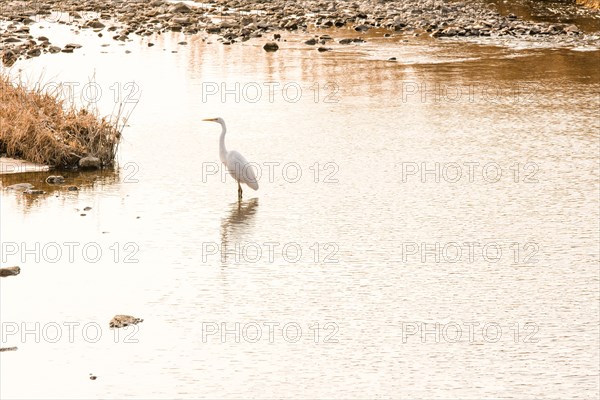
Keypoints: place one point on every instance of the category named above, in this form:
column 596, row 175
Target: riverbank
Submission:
column 241, row 20
column 38, row 127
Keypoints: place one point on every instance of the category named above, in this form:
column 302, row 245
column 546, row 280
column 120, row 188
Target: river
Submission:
column 424, row 228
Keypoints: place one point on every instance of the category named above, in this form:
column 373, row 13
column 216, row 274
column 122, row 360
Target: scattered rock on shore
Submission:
column 448, row 19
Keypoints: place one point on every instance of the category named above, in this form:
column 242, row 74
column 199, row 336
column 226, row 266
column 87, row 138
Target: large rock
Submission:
column 90, row 162
column 121, row 321
column 9, row 271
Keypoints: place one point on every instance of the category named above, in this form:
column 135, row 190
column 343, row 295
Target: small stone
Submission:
column 121, row 321
column 33, row 191
column 182, row 43
column 323, row 49
column 95, row 24
column 72, row 188
column 8, row 349
column 34, row 52
column 87, row 208
column 392, row 59
column 311, row 42
column 53, row 179
column 9, row 271
column 9, row 58
column 271, row 47
column 150, row 44
column 20, row 186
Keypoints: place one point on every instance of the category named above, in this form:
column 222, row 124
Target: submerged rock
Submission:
column 52, row 179
column 20, row 186
column 33, row 191
column 9, row 271
column 121, row 321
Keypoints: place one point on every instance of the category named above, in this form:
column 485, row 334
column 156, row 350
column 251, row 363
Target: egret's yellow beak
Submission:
column 210, row 119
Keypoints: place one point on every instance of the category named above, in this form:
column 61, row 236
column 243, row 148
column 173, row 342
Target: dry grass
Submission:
column 590, row 3
column 38, row 126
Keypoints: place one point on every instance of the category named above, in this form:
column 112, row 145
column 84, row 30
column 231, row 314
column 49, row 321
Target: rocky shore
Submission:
column 241, row 20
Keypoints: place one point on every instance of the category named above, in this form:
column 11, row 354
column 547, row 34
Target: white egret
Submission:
column 236, row 164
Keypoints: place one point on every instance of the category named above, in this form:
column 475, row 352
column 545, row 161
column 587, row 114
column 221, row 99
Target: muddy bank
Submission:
column 241, row 20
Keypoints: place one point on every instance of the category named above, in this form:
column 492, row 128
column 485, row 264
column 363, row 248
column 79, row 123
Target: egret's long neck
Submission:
column 222, row 149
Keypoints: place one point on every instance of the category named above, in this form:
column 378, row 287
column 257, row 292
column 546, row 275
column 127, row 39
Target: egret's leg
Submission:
column 239, row 191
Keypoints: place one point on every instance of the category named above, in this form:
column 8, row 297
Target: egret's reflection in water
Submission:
column 235, row 229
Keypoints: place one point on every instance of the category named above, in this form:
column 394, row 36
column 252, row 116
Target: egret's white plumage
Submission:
column 235, row 163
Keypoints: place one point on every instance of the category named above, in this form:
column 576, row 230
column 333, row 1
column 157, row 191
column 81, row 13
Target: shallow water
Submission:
column 360, row 160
